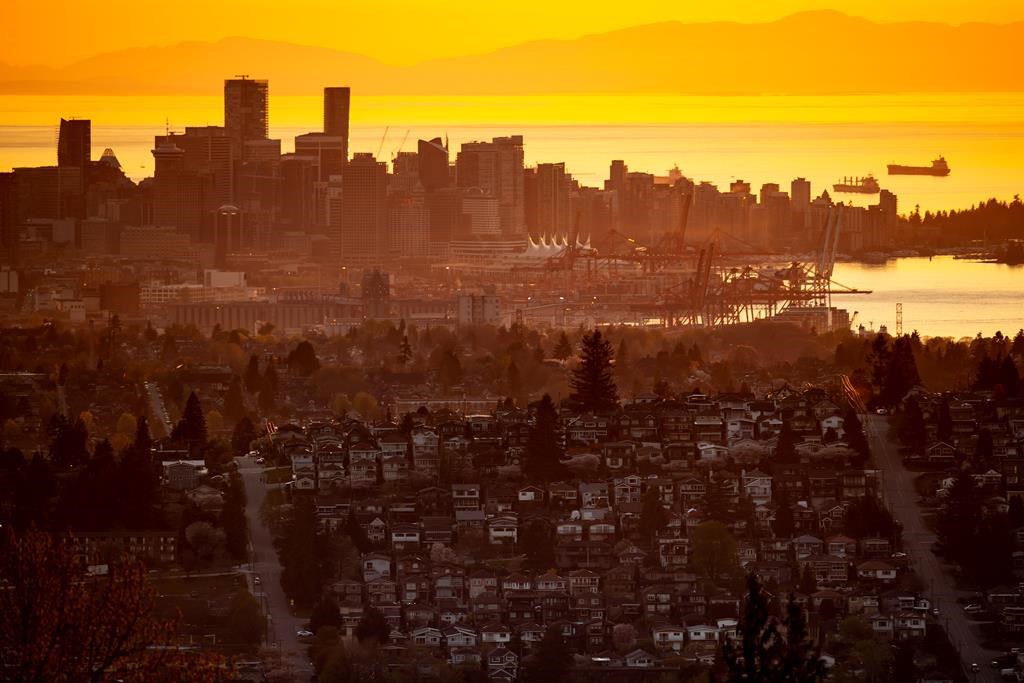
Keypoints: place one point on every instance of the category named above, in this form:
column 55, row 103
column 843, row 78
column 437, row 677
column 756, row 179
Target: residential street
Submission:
column 282, row 626
column 901, row 497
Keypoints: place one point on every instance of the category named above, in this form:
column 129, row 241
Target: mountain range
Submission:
column 811, row 53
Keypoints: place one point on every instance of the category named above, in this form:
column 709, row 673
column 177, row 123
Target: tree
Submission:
column 204, row 539
column 127, row 424
column 268, row 389
column 404, row 351
column 714, row 550
column 960, row 519
column 59, row 624
column 303, row 359
column 563, row 349
column 808, row 581
column 785, row 446
column 551, row 661
column 325, row 613
column 191, row 427
column 243, row 435
column 300, row 554
column 855, row 438
column 945, row 421
column 867, row 517
column 593, row 388
column 68, row 448
column 783, row 525
column 537, row 544
column 653, row 517
column 253, row 378
column 233, row 520
column 245, row 620
column 234, row 401
column 214, row 422
column 373, row 628
column 771, row 650
column 542, row 460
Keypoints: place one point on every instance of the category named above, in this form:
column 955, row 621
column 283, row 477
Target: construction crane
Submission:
column 382, row 139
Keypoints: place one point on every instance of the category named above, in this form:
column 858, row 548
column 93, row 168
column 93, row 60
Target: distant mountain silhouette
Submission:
column 821, row 52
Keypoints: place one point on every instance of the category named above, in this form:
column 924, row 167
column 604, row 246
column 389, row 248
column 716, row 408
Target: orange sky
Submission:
column 404, row 31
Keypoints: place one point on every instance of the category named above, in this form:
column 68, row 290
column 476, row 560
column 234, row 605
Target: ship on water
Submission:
column 939, row 167
column 865, row 185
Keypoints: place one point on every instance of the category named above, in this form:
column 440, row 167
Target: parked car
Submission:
column 973, row 608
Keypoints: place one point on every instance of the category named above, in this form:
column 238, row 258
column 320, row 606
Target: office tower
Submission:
column 245, row 112
column 327, row 151
column 74, row 144
column 336, row 108
column 800, row 193
column 169, row 167
column 482, row 215
column 552, row 201
column 496, row 167
column 740, row 187
column 299, row 206
column 444, row 206
column 48, row 192
column 9, row 216
column 227, row 233
column 616, row 175
column 207, row 151
column 408, row 224
column 432, row 157
column 358, row 230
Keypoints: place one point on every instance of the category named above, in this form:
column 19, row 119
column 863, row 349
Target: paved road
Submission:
column 282, row 625
column 901, row 496
column 159, row 410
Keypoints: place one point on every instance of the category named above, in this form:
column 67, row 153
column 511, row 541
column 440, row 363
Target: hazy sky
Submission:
column 57, row 32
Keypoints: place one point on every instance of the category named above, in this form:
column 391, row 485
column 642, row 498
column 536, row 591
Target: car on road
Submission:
column 257, row 581
column 881, row 411
column 260, row 461
column 935, row 612
column 304, row 633
column 973, row 608
column 1003, row 661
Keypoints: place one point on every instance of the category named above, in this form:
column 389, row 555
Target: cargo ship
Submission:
column 939, row 167
column 865, row 185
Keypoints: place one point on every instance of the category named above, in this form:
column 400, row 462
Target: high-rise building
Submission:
column 336, row 110
column 328, row 151
column 207, row 151
column 552, row 201
column 800, row 193
column 246, row 108
column 227, row 233
column 496, row 167
column 74, row 144
column 359, row 229
column 169, row 167
column 432, row 157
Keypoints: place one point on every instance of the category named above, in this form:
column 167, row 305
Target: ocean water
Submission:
column 719, row 139
column 941, row 296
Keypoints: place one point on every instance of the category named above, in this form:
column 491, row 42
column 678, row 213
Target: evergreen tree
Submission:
column 714, row 550
column 808, row 581
column 538, row 546
column 233, row 520
column 960, row 519
column 912, row 428
column 1009, row 377
column 653, row 516
column 303, row 360
column 302, row 574
column 192, row 426
column 373, row 628
column 143, row 441
column 243, row 435
column 593, row 388
column 268, row 390
column 253, row 378
column 551, row 661
column 542, row 460
column 404, row 351
column 234, row 401
column 785, row 447
column 563, row 349
column 945, row 421
column 762, row 652
column 855, row 439
column 783, row 525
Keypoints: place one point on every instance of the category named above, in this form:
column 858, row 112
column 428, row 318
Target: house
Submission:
column 639, row 659
column 503, row 662
column 503, row 530
column 495, row 634
column 757, row 486
column 465, row 497
column 427, row 636
column 460, row 636
column 876, row 570
column 910, row 625
column 668, row 637
column 702, row 632
column 375, row 566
